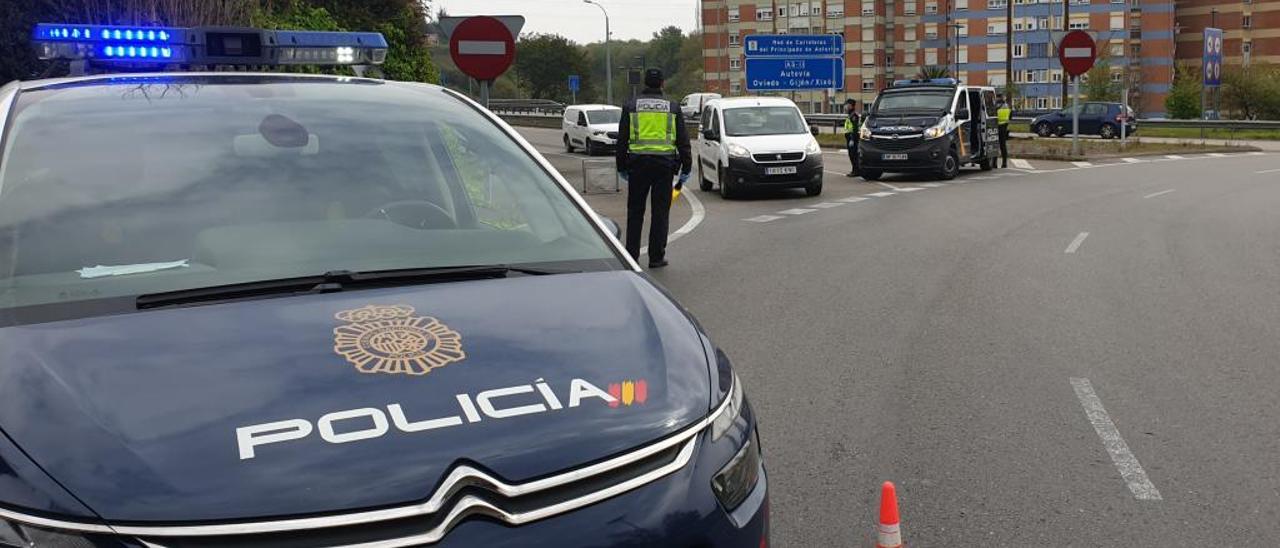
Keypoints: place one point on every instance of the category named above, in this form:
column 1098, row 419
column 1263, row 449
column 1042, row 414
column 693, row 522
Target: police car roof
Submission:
column 240, row 77
column 739, row 102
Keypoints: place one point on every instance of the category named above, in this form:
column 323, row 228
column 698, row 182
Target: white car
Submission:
column 593, row 128
column 757, row 142
column 693, row 103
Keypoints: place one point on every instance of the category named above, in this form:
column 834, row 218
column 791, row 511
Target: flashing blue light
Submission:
column 166, row 53
column 116, row 34
column 163, row 35
column 155, row 52
column 109, row 51
column 106, row 34
column 128, row 34
column 133, row 52
column 75, row 33
column 151, row 35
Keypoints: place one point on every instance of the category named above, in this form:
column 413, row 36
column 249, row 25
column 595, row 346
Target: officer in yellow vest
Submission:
column 653, row 145
column 1003, row 113
column 852, row 123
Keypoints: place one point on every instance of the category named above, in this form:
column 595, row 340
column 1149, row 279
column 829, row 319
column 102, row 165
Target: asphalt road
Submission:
column 1057, row 355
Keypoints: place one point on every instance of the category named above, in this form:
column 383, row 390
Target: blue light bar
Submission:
column 215, row 46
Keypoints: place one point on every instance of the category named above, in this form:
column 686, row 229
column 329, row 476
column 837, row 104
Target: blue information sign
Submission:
column 574, row 82
column 1212, row 62
column 793, row 45
column 795, row 73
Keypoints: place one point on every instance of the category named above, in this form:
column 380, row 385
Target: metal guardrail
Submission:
column 545, row 107
column 832, row 120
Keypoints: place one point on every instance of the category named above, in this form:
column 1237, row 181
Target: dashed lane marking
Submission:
column 1161, row 193
column 1132, row 160
column 1267, row 171
column 763, row 218
column 881, row 194
column 1075, row 244
column 796, row 211
column 1126, row 463
column 837, row 173
column 1082, row 164
column 853, row 199
column 827, row 205
column 909, row 189
column 1217, row 154
column 934, row 185
column 1175, row 157
column 1257, row 153
column 887, row 185
column 1020, row 163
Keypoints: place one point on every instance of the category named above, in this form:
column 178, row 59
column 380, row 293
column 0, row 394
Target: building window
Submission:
column 735, row 87
column 1135, row 22
column 1042, row 22
column 993, row 4
column 734, row 16
column 764, row 14
column 868, row 59
column 1079, row 2
column 1246, row 47
column 1019, row 51
column 909, row 33
column 735, row 64
column 1117, row 76
column 868, row 34
column 734, row 40
column 1042, row 102
column 1117, row 1
column 782, row 11
column 835, row 11
column 868, row 8
column 1117, row 50
column 782, row 31
column 1055, row 76
column 996, row 26
column 996, row 53
column 868, row 85
column 962, row 28
column 1038, row 51
column 802, row 9
column 1246, row 22
column 931, row 8
column 839, row 33
column 909, row 9
column 962, row 56
column 961, row 4
column 995, row 79
column 1079, row 25
column 1117, row 21
column 931, row 56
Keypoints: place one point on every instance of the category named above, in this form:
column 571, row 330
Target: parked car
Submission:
column 757, row 142
column 593, row 128
column 693, row 103
column 1102, row 119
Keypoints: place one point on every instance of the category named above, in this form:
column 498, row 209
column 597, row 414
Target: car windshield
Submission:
column 608, row 116
column 744, row 121
column 142, row 185
column 926, row 100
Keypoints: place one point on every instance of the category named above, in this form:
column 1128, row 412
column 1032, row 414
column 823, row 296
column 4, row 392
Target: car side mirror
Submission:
column 582, row 123
column 709, row 134
column 813, row 130
column 612, row 226
column 962, row 114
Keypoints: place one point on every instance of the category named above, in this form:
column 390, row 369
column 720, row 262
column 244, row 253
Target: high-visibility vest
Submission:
column 851, row 126
column 1003, row 114
column 653, row 128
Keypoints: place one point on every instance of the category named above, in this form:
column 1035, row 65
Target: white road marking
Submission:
column 1175, row 157
column 1082, row 164
column 981, row 177
column 695, row 219
column 1257, row 153
column 1217, row 154
column 827, row 205
column 763, row 218
column 1020, row 163
column 909, row 189
column 934, row 185
column 1132, row 160
column 853, row 199
column 834, row 172
column 887, row 185
column 1161, row 193
column 881, row 194
column 1267, row 171
column 1125, row 462
column 1075, row 244
column 796, row 211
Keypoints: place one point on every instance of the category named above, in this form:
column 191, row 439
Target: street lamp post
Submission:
column 608, row 61
column 955, row 55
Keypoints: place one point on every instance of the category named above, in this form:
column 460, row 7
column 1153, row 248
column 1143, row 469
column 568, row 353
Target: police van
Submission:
column 929, row 126
column 267, row 309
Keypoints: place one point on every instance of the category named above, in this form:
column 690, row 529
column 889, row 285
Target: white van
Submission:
column 757, row 142
column 693, row 103
column 593, row 128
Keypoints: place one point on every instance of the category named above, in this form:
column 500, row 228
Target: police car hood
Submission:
column 138, row 414
column 902, row 123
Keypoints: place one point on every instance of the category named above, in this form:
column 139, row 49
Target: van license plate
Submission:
column 785, row 170
column 893, row 156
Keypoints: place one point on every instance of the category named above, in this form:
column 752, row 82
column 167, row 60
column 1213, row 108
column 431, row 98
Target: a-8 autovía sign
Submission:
column 788, row 62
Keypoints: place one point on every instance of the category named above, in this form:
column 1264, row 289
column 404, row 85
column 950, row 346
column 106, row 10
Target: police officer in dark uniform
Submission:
column 852, row 123
column 1003, row 113
column 653, row 145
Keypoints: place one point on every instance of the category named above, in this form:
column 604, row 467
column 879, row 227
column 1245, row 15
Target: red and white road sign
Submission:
column 482, row 47
column 1077, row 52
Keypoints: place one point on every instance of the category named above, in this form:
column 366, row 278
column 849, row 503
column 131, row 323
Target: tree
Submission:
column 1252, row 93
column 1183, row 101
column 929, row 72
column 664, row 51
column 544, row 63
column 1097, row 82
column 689, row 77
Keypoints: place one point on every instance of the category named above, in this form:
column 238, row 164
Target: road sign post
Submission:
column 793, row 62
column 574, row 82
column 483, row 47
column 1076, row 52
column 1211, row 70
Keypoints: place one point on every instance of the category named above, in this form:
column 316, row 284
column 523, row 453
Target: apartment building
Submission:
column 1251, row 31
column 887, row 40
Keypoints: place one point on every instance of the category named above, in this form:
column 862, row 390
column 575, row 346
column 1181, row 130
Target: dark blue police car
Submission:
column 261, row 309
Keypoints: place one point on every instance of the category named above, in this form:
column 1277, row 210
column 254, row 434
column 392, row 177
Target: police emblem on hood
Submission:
column 391, row 339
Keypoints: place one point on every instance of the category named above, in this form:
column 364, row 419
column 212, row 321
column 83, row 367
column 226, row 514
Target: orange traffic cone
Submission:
column 889, row 531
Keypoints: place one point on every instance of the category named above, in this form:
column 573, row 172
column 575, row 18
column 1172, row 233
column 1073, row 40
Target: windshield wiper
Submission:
column 335, row 281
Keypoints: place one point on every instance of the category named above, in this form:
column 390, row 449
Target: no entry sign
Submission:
column 1077, row 52
column 482, row 47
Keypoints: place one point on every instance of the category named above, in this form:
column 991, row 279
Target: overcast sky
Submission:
column 583, row 23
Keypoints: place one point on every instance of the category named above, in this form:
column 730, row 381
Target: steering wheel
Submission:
column 419, row 214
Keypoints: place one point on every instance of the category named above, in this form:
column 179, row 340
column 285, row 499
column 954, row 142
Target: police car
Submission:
column 931, row 126
column 267, row 309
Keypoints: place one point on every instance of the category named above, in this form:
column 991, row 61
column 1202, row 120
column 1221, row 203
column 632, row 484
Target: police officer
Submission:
column 852, row 123
column 1003, row 113
column 653, row 144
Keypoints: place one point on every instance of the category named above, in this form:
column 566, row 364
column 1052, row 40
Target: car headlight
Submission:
column 738, row 478
column 739, row 151
column 721, row 424
column 17, row 535
column 935, row 132
column 813, row 147
column 864, row 133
